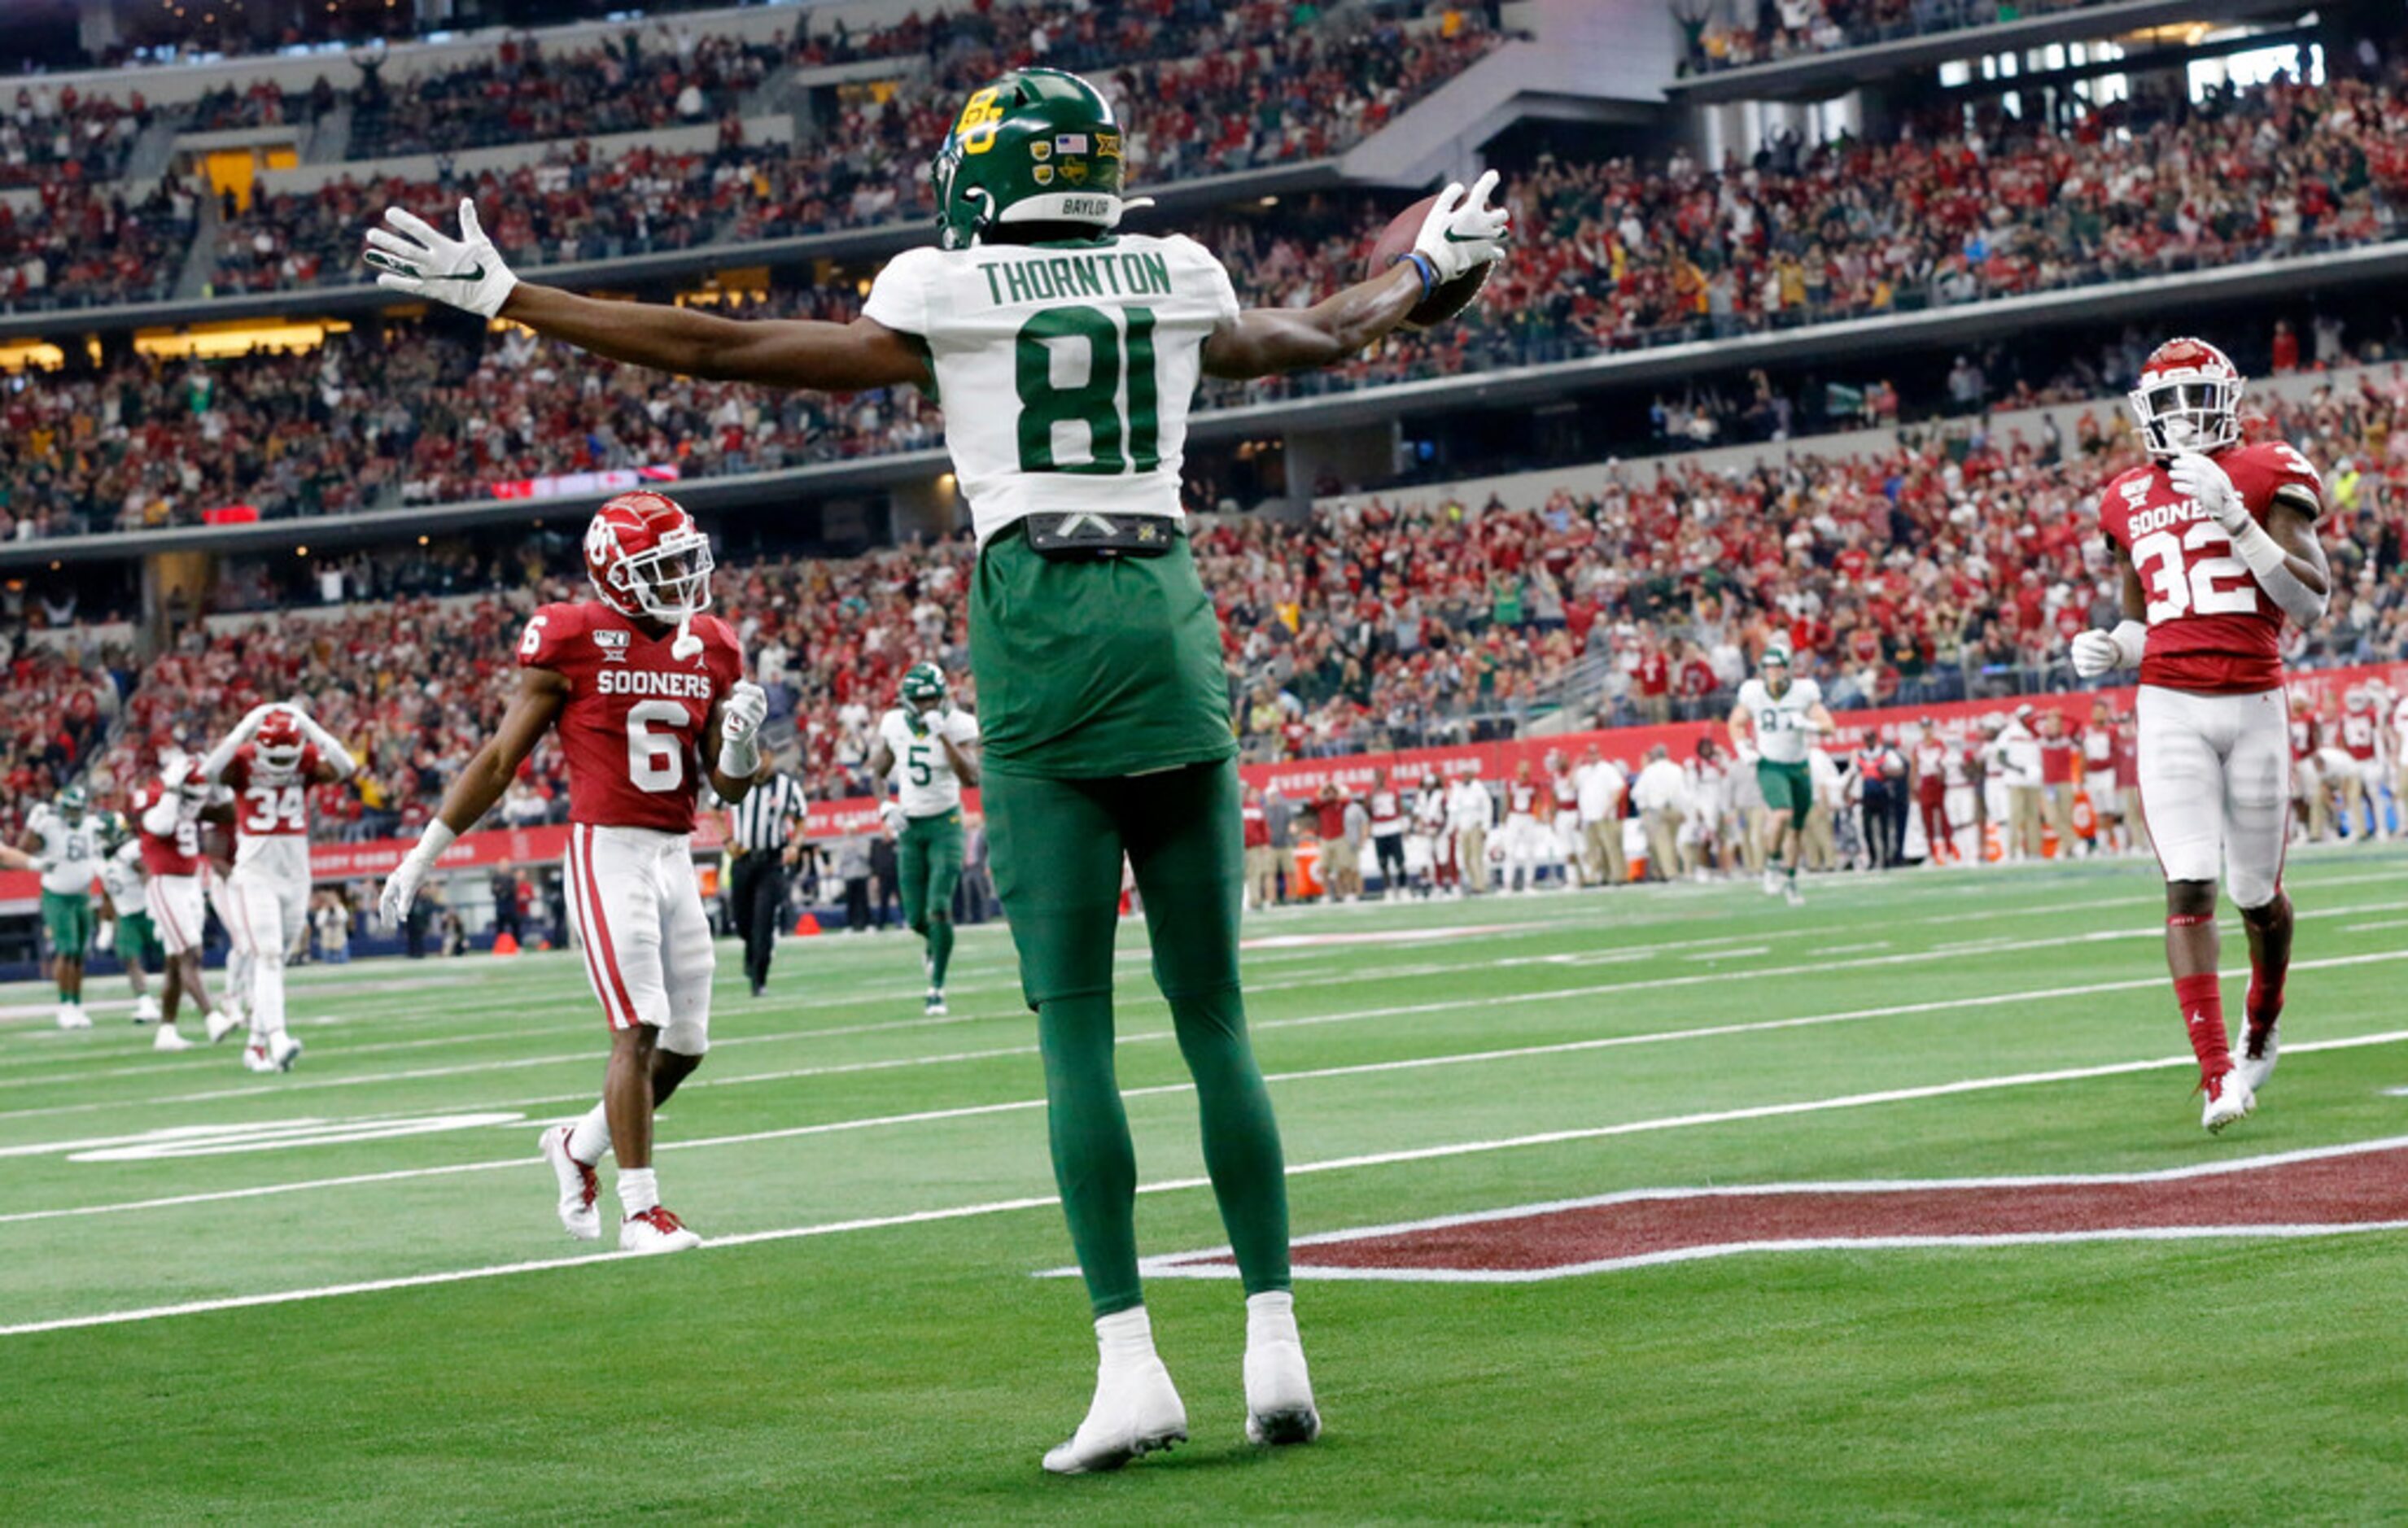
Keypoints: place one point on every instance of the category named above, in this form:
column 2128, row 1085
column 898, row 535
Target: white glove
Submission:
column 1462, row 232
column 466, row 272
column 401, row 886
column 2200, row 480
column 2103, row 652
column 739, row 726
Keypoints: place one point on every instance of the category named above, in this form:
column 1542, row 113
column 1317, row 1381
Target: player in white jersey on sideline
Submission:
column 270, row 760
column 1772, row 724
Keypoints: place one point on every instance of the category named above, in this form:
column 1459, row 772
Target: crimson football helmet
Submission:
column 647, row 558
column 2189, row 399
column 278, row 742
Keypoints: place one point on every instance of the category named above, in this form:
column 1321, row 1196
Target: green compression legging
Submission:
column 1057, row 847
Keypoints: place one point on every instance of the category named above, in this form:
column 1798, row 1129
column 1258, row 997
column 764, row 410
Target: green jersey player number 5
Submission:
column 1066, row 351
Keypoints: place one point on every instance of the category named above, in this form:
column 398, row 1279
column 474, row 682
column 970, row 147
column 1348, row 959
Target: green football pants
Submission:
column 1058, row 844
column 929, row 859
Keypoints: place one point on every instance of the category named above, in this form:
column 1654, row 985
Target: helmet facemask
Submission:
column 2187, row 414
column 670, row 582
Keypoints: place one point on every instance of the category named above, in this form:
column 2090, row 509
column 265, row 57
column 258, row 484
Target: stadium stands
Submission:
column 1950, row 565
column 1794, row 27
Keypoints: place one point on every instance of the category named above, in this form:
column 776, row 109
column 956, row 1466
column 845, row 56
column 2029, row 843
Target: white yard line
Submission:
column 1161, row 1090
column 1000, row 1207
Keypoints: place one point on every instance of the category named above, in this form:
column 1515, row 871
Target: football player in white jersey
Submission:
column 1771, row 724
column 125, row 890
column 1072, row 352
column 62, row 840
column 270, row 760
column 928, row 747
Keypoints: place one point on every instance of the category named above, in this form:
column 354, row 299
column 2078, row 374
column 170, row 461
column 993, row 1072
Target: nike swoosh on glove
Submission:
column 417, row 258
column 1462, row 232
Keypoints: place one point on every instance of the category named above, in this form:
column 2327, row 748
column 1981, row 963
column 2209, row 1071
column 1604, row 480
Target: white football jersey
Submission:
column 1781, row 721
column 70, row 852
column 121, row 876
column 1067, row 370
column 929, row 786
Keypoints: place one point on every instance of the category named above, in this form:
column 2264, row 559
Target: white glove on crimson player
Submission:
column 422, row 260
column 2201, row 480
column 401, row 886
column 740, row 727
column 1462, row 232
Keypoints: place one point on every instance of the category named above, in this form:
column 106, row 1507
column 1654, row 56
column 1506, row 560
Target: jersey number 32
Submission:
column 2193, row 573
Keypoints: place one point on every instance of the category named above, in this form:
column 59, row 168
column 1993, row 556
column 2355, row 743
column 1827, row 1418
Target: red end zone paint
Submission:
column 2359, row 1187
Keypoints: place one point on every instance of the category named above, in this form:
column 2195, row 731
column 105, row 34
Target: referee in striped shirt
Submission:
column 765, row 836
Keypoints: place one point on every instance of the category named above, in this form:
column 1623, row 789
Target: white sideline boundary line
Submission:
column 966, row 1111
column 1001, row 1207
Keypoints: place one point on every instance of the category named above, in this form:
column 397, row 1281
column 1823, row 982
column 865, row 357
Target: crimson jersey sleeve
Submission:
column 554, row 638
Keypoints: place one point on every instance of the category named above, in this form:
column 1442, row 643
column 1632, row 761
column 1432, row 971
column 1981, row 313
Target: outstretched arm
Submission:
column 1265, row 340
column 541, row 694
column 1460, row 233
column 468, row 272
column 775, row 352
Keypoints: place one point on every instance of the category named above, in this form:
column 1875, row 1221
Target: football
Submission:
column 1450, row 297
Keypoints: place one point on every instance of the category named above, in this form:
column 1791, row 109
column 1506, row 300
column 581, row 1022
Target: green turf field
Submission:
column 867, row 1339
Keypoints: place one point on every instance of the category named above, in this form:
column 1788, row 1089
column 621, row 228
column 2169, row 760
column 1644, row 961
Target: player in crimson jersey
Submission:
column 643, row 687
column 2221, row 544
column 270, row 760
column 2361, row 738
column 168, row 813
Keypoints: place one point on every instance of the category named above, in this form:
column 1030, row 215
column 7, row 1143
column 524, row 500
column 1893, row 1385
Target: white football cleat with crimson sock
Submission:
column 1136, row 1410
column 2228, row 1098
column 167, row 1039
column 579, row 1186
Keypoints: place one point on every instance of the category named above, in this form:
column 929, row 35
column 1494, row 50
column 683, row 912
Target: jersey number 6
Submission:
column 656, row 760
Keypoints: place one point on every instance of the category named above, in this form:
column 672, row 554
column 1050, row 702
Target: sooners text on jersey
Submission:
column 2210, row 627
column 633, row 726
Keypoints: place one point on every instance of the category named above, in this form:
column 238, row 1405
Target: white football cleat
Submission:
column 1795, row 898
column 167, row 1039
column 2256, row 1063
column 282, row 1051
column 656, row 1231
column 1771, row 882
column 934, row 1008
column 1279, row 1395
column 222, row 1023
column 1136, row 1411
column 255, row 1059
column 579, row 1186
column 71, row 1016
column 2227, row 1100
column 146, row 1009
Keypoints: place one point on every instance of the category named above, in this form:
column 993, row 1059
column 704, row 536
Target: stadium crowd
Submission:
column 1764, row 31
column 1954, row 567
column 1266, row 95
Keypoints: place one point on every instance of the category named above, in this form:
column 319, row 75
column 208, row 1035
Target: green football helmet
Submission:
column 1034, row 146
column 73, row 801
column 922, row 682
column 114, row 831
